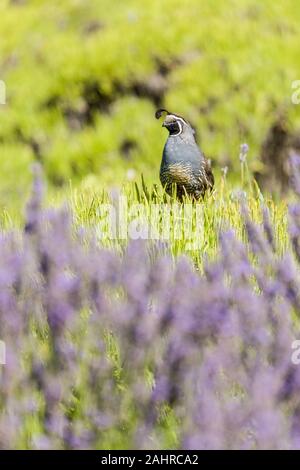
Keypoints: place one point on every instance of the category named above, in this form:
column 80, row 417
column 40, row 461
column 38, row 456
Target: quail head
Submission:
column 183, row 164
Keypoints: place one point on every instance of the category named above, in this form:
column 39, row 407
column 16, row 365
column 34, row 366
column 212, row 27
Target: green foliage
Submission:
column 219, row 211
column 82, row 80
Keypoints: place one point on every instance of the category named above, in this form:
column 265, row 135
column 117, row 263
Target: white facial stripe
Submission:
column 177, row 118
column 180, row 122
column 180, row 128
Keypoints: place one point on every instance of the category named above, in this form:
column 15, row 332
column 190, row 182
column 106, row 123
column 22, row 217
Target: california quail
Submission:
column 183, row 164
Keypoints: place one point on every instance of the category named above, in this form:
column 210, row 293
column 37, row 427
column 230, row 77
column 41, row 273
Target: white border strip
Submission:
column 2, row 92
column 2, row 353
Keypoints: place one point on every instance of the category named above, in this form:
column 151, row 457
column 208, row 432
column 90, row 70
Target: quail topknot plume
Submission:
column 183, row 164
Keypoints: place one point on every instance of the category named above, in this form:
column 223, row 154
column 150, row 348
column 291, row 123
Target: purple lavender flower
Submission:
column 244, row 149
column 138, row 349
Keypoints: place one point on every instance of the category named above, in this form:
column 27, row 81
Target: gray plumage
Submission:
column 183, row 164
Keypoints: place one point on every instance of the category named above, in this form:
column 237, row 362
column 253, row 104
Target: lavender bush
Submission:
column 106, row 350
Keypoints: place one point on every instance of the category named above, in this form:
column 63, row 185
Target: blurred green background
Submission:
column 84, row 77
